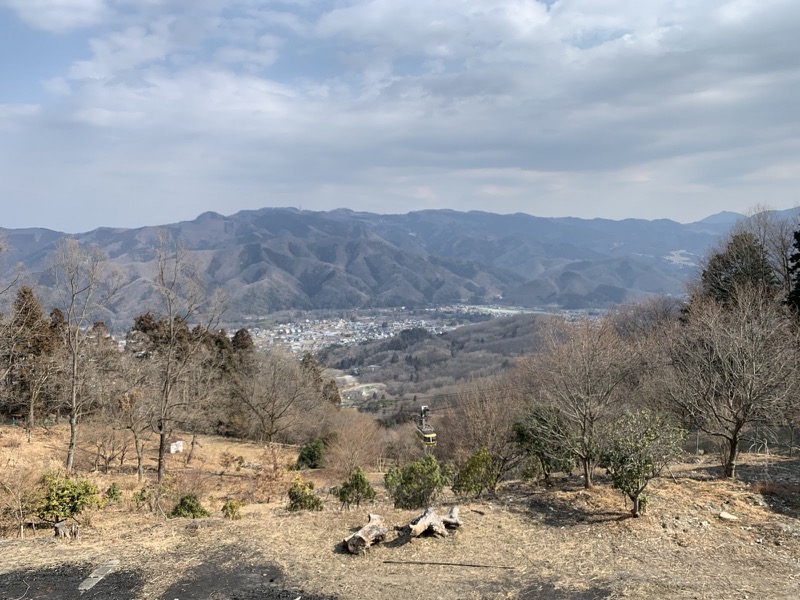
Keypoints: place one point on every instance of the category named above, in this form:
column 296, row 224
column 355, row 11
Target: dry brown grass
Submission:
column 559, row 542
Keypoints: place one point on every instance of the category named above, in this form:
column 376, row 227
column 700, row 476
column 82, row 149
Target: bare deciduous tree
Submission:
column 7, row 279
column 639, row 321
column 84, row 285
column 173, row 349
column 582, row 373
column 356, row 443
column 775, row 235
column 276, row 396
column 732, row 367
column 19, row 488
column 484, row 419
column 128, row 389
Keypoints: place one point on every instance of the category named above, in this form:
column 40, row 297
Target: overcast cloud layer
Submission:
column 134, row 112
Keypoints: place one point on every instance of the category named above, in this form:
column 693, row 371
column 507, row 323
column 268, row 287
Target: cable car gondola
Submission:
column 425, row 433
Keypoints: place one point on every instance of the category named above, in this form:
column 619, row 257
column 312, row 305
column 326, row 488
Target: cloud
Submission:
column 13, row 116
column 10, row 111
column 59, row 16
column 661, row 108
column 121, row 51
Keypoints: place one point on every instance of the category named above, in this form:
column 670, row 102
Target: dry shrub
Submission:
column 357, row 443
column 772, row 488
column 109, row 447
column 402, row 444
column 270, row 479
column 128, row 484
column 484, row 419
column 227, row 459
column 191, row 482
column 10, row 439
column 788, row 493
column 20, row 491
column 160, row 498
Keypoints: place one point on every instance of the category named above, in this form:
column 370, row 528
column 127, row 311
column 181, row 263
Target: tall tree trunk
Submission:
column 73, row 409
column 194, row 443
column 73, row 440
column 636, row 507
column 587, row 473
column 139, row 444
column 31, row 416
column 729, row 465
column 163, row 445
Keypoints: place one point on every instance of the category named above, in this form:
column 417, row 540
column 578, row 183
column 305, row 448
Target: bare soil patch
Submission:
column 60, row 582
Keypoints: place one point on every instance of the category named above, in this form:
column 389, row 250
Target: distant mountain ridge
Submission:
column 725, row 217
column 283, row 258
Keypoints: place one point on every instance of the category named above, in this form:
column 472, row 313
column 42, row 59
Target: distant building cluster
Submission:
column 313, row 334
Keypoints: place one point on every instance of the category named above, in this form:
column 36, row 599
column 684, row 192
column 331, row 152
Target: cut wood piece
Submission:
column 428, row 521
column 64, row 530
column 452, row 521
column 372, row 533
column 61, row 530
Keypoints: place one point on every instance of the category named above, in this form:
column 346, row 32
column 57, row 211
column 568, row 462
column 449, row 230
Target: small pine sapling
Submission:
column 355, row 489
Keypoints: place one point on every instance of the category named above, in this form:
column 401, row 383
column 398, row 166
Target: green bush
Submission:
column 232, row 509
column 65, row 498
column 416, row 484
column 643, row 444
column 189, row 507
column 228, row 460
column 301, row 496
column 545, row 437
column 113, row 493
column 311, row 455
column 355, row 489
column 141, row 497
column 477, row 475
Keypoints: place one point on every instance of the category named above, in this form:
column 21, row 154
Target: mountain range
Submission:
column 282, row 258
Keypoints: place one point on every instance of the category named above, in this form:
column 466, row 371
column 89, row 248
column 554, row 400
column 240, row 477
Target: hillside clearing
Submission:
column 560, row 542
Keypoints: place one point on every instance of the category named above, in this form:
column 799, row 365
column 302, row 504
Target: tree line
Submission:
column 623, row 391
column 175, row 369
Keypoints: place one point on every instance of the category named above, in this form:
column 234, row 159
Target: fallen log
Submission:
column 372, row 533
column 427, row 522
column 431, row 523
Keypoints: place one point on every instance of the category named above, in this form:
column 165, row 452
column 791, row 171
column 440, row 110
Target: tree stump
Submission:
column 371, row 533
column 65, row 530
column 430, row 522
column 452, row 521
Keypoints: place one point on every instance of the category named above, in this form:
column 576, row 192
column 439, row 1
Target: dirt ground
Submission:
column 529, row 542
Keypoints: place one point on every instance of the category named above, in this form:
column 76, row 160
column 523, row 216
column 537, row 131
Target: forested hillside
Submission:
column 275, row 259
column 418, row 362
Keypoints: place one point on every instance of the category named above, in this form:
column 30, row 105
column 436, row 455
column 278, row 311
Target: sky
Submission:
column 125, row 113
